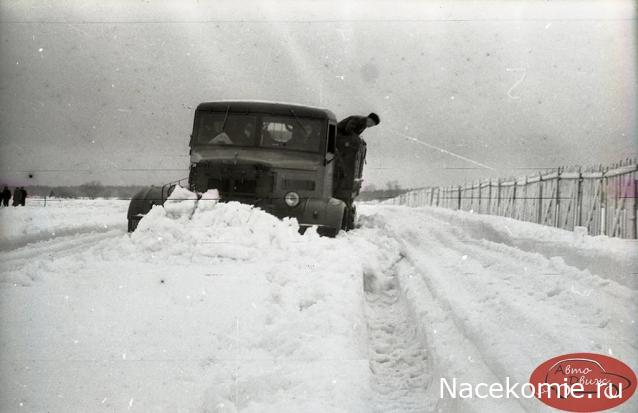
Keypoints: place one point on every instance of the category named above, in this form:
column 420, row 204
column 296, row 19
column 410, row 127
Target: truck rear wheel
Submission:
column 349, row 217
column 352, row 218
column 328, row 232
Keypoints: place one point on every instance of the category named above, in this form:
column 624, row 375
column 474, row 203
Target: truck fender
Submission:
column 330, row 213
column 141, row 203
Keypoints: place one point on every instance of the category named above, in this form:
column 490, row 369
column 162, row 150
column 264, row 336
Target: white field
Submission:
column 223, row 308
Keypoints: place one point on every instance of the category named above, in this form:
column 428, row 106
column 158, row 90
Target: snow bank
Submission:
column 204, row 228
column 308, row 335
column 611, row 258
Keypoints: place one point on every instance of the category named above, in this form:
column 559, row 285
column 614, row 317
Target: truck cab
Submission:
column 282, row 158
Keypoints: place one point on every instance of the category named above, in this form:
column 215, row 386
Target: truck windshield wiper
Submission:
column 305, row 132
column 225, row 118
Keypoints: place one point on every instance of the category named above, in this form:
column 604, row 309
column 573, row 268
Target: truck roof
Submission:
column 274, row 108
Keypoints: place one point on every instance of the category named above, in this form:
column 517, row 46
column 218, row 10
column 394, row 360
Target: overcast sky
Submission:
column 465, row 90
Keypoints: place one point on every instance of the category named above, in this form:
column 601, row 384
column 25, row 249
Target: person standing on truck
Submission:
column 6, row 196
column 357, row 124
column 349, row 130
column 351, row 150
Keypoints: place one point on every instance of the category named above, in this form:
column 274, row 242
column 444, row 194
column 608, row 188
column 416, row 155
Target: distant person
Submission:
column 5, row 196
column 357, row 124
column 23, row 196
column 17, row 194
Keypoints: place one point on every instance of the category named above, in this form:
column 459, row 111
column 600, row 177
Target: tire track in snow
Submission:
column 453, row 353
column 550, row 283
column 474, row 335
column 56, row 247
column 476, row 297
column 29, row 239
column 448, row 333
column 398, row 355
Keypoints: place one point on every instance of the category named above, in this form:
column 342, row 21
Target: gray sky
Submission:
column 93, row 91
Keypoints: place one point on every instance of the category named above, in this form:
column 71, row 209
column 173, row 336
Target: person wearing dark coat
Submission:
column 351, row 149
column 349, row 130
column 16, row 196
column 23, row 196
column 5, row 196
column 357, row 124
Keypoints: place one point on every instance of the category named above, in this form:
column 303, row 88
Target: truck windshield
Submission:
column 291, row 133
column 284, row 132
column 219, row 129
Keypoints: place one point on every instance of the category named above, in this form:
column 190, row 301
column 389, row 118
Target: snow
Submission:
column 488, row 309
column 229, row 306
column 612, row 258
column 20, row 226
column 220, row 307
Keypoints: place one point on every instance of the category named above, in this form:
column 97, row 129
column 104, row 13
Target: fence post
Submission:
column 539, row 207
column 45, row 200
column 579, row 199
column 489, row 197
column 525, row 192
column 513, row 210
column 472, row 197
column 603, row 203
column 557, row 203
column 634, row 210
column 459, row 199
column 616, row 221
column 479, row 196
column 498, row 197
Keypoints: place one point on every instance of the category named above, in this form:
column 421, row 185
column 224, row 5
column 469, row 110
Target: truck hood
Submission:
column 270, row 158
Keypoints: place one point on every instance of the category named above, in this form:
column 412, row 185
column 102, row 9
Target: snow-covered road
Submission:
column 488, row 309
column 230, row 309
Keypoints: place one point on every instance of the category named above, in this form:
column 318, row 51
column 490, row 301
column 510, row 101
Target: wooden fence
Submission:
column 603, row 200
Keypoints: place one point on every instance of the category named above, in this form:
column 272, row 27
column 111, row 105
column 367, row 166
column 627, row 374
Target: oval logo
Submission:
column 583, row 382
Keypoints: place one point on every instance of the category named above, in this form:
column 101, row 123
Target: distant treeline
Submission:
column 88, row 190
column 380, row 194
column 96, row 189
column 371, row 193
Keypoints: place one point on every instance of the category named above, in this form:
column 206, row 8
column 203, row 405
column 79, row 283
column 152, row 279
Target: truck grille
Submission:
column 238, row 182
column 298, row 184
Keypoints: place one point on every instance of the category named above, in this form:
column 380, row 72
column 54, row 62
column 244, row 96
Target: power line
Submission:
column 319, row 21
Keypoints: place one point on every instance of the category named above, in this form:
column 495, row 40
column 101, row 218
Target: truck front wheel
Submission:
column 132, row 224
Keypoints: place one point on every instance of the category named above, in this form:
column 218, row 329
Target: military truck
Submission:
column 285, row 159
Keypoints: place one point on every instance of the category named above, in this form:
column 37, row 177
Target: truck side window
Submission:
column 332, row 132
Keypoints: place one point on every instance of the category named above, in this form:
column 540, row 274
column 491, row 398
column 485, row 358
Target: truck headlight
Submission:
column 291, row 199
